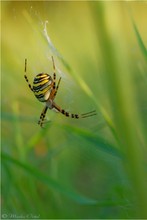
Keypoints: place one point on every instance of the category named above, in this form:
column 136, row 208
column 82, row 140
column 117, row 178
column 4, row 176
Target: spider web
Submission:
column 68, row 85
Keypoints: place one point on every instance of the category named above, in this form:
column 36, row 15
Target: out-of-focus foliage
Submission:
column 88, row 168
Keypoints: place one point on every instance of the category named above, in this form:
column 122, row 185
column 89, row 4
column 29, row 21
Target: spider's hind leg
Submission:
column 88, row 114
column 71, row 115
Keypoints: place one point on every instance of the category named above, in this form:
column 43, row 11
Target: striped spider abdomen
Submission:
column 42, row 86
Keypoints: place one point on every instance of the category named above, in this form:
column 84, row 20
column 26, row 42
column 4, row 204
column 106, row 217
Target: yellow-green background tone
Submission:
column 88, row 168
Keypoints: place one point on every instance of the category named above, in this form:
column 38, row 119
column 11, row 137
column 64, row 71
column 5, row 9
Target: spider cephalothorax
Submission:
column 45, row 89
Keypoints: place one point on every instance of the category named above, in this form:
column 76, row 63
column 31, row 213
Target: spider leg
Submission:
column 58, row 84
column 54, row 74
column 55, row 88
column 71, row 115
column 25, row 76
column 88, row 114
column 55, row 92
column 42, row 116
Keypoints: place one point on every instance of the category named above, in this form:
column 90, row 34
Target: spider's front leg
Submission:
column 42, row 116
column 25, row 76
column 54, row 74
column 55, row 88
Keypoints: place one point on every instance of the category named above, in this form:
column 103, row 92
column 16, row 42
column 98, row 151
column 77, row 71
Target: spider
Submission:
column 45, row 89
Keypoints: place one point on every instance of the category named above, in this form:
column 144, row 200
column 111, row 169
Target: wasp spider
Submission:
column 45, row 89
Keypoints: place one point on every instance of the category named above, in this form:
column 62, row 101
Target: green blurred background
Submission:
column 89, row 168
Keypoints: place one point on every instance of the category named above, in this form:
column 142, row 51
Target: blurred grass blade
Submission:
column 49, row 181
column 17, row 131
column 95, row 140
column 11, row 117
column 6, row 188
column 139, row 39
column 37, row 137
column 123, row 101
